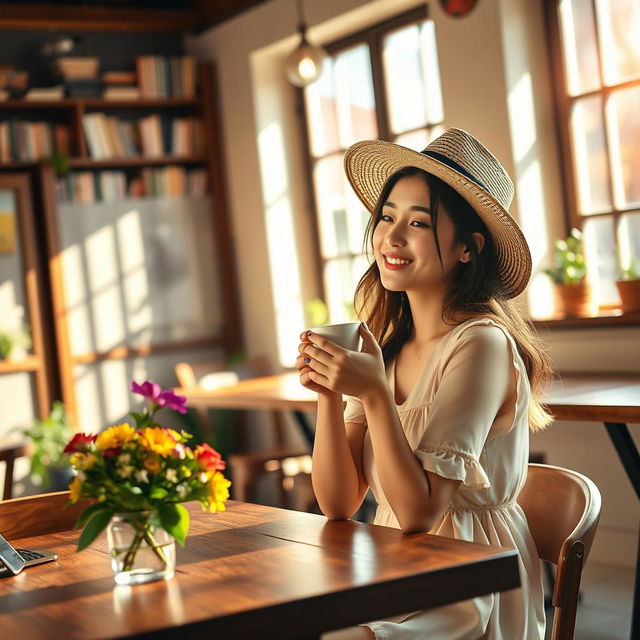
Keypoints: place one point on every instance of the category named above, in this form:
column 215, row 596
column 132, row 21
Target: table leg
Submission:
column 628, row 454
column 304, row 426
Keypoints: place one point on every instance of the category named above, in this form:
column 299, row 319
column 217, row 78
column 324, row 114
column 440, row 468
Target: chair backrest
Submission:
column 39, row 514
column 193, row 374
column 562, row 508
column 8, row 454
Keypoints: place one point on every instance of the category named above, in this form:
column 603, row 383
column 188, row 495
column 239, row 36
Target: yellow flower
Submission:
column 115, row 436
column 75, row 489
column 159, row 440
column 151, row 464
column 218, row 492
column 83, row 461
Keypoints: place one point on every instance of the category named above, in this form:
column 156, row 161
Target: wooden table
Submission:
column 614, row 400
column 611, row 399
column 251, row 572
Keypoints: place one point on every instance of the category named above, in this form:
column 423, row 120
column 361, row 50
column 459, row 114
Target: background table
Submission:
column 614, row 400
column 251, row 572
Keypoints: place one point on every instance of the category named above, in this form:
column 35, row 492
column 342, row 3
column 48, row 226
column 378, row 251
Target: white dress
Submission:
column 451, row 423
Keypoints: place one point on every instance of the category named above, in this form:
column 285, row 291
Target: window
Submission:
column 598, row 96
column 382, row 83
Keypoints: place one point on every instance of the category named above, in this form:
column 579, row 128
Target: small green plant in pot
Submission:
column 49, row 467
column 629, row 286
column 573, row 293
column 14, row 344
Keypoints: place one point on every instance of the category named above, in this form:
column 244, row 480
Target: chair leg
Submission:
column 8, row 479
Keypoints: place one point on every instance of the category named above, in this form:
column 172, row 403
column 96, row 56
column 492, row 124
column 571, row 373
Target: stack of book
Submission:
column 120, row 85
column 79, row 75
column 164, row 77
column 45, row 93
column 87, row 187
column 151, row 136
column 26, row 141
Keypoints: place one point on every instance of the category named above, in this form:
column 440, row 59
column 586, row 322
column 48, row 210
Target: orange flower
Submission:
column 159, row 440
column 115, row 436
column 152, row 464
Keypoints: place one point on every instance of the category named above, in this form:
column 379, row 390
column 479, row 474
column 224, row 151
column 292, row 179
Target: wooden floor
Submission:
column 604, row 612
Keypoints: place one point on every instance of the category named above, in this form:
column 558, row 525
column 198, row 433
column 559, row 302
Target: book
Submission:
column 116, row 92
column 45, row 93
column 71, row 67
column 119, row 77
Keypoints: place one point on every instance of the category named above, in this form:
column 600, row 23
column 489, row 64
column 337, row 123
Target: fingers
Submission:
column 325, row 344
column 305, row 361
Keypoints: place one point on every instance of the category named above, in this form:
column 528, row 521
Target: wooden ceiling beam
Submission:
column 83, row 18
column 211, row 14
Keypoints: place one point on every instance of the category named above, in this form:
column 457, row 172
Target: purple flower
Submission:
column 172, row 401
column 148, row 389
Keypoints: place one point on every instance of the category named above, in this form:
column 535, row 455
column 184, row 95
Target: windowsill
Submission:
column 609, row 318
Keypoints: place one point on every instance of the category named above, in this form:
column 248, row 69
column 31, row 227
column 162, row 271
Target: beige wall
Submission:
column 494, row 73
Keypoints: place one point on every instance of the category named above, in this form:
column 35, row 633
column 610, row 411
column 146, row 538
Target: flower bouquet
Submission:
column 139, row 476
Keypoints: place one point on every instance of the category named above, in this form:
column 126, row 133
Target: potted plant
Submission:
column 49, row 466
column 14, row 345
column 573, row 292
column 629, row 287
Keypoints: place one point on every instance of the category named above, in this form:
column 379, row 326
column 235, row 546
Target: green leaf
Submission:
column 157, row 493
column 174, row 519
column 93, row 528
column 88, row 512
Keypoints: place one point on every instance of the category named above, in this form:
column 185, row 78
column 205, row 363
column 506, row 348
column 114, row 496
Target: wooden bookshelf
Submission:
column 42, row 179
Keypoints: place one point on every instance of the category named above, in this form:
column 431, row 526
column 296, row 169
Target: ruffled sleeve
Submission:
column 455, row 465
column 474, row 382
column 354, row 411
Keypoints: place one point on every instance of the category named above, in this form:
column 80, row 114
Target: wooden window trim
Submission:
column 372, row 36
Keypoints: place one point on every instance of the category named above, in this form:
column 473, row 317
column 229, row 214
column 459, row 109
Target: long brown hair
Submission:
column 475, row 290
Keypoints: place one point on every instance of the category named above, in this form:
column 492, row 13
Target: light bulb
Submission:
column 304, row 64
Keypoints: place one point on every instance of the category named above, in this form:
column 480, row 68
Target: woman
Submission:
column 446, row 388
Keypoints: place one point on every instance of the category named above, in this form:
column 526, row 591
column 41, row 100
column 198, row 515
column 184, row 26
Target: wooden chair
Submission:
column 38, row 515
column 562, row 508
column 8, row 454
column 248, row 466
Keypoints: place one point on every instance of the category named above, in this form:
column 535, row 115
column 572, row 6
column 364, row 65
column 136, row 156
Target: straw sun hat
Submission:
column 467, row 166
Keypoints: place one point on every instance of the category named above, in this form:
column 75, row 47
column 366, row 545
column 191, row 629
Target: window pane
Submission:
column 320, row 102
column 600, row 256
column 353, row 88
column 418, row 140
column 589, row 152
column 331, row 206
column 340, row 279
column 579, row 44
column 623, row 118
column 412, row 78
column 619, row 22
column 629, row 240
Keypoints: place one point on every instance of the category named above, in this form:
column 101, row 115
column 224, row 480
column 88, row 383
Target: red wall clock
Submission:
column 458, row 8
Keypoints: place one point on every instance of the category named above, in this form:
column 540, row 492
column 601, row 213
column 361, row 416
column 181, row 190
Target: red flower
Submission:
column 79, row 442
column 209, row 459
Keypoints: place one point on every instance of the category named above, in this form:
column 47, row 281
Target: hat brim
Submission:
column 369, row 164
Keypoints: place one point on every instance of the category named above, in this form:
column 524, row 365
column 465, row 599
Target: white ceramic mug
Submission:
column 347, row 335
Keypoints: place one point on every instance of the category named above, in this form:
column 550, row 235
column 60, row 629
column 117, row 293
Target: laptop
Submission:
column 13, row 561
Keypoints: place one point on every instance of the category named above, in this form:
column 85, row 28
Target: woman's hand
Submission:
column 342, row 371
column 304, row 368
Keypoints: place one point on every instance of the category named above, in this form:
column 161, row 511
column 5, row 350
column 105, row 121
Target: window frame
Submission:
column 371, row 36
column 563, row 102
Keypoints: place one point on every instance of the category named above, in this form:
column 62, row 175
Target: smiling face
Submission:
column 404, row 243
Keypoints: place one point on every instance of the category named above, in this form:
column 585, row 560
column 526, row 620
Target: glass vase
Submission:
column 141, row 551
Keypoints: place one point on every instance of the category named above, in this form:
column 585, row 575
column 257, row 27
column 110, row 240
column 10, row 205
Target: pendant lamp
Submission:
column 304, row 64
